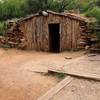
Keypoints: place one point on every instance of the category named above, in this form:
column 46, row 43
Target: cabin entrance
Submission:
column 54, row 38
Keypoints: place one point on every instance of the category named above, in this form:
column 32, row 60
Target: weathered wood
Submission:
column 84, row 67
column 79, row 89
column 56, row 89
column 88, row 76
column 36, row 31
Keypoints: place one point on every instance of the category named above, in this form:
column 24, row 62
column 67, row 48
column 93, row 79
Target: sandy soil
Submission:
column 17, row 79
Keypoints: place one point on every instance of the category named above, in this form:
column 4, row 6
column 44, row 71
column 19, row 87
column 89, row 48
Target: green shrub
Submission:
column 2, row 27
column 95, row 12
column 61, row 75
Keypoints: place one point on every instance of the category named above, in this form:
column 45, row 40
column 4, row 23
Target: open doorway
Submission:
column 54, row 38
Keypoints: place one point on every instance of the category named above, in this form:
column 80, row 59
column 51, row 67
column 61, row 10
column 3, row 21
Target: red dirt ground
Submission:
column 17, row 82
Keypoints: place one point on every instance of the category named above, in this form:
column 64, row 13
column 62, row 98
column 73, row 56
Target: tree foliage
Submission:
column 12, row 8
column 20, row 8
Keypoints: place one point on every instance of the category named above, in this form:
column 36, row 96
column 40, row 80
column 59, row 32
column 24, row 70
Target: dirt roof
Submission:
column 70, row 15
column 77, row 16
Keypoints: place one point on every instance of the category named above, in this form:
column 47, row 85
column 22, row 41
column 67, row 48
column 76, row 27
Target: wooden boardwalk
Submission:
column 76, row 88
column 79, row 89
column 85, row 67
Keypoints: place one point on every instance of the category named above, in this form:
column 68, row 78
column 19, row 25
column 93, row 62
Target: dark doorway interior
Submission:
column 54, row 38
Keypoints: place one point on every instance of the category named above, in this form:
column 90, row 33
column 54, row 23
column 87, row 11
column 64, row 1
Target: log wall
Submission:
column 36, row 31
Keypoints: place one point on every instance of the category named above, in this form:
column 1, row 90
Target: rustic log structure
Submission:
column 50, row 31
column 90, row 37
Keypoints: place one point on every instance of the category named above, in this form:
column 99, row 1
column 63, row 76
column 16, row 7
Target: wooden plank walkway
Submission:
column 86, row 67
column 56, row 89
column 79, row 89
column 75, row 88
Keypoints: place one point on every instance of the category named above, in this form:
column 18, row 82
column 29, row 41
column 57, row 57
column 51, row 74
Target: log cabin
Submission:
column 51, row 31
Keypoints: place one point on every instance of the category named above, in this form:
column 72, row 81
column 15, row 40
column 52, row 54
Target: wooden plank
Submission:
column 56, row 89
column 79, row 89
column 87, row 76
column 86, row 67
